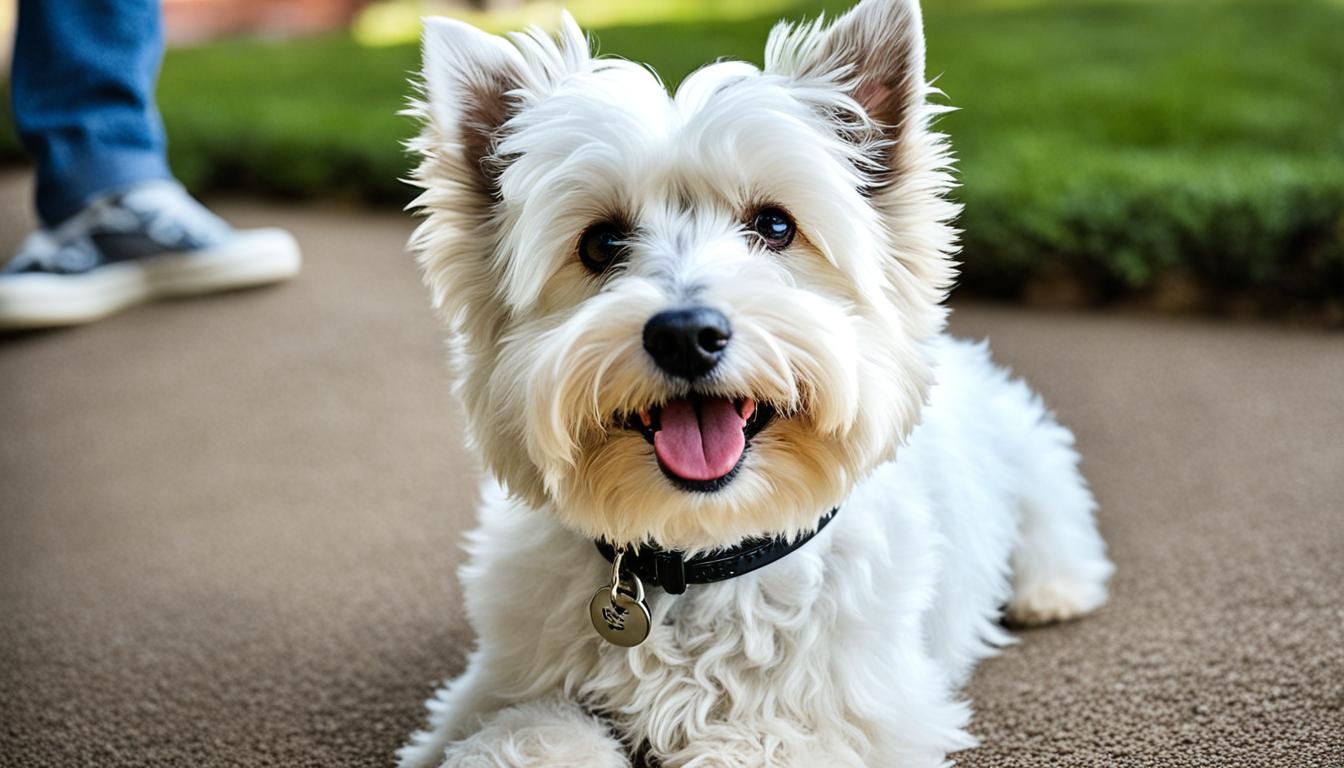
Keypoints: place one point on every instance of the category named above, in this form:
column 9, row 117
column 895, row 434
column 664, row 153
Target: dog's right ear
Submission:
column 471, row 82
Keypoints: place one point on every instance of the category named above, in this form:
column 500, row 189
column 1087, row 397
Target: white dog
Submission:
column 694, row 330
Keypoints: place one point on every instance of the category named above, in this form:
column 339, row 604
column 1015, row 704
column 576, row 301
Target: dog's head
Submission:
column 687, row 319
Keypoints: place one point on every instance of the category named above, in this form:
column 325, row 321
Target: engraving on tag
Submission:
column 614, row 615
column 622, row 621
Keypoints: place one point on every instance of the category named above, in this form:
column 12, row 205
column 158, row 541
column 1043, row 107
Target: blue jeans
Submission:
column 82, row 84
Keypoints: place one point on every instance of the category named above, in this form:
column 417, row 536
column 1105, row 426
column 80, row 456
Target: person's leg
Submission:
column 82, row 84
column 117, row 228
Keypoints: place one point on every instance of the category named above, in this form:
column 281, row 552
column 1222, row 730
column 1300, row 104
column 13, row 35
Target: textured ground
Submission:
column 228, row 529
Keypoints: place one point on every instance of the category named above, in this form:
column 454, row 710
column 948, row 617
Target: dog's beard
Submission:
column 787, row 477
column 815, row 395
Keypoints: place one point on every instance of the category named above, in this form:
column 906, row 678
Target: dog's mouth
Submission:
column 699, row 441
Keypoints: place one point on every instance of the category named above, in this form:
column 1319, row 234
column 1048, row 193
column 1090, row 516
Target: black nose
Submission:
column 687, row 342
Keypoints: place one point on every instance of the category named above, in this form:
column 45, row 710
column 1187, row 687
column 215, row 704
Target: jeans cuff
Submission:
column 87, row 178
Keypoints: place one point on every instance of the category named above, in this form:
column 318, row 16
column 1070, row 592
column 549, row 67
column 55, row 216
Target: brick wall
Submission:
column 189, row 21
column 8, row 10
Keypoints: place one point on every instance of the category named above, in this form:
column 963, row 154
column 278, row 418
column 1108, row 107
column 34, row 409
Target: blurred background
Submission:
column 228, row 526
column 1184, row 155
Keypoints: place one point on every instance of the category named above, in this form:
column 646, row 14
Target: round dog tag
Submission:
column 620, row 618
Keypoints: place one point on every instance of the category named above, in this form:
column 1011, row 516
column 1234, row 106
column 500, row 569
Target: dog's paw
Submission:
column 1047, row 601
column 543, row 734
column 540, row 748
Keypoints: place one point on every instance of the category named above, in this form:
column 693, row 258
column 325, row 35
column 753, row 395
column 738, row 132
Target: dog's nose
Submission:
column 687, row 342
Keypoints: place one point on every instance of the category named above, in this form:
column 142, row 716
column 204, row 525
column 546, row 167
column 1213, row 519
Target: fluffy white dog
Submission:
column 695, row 330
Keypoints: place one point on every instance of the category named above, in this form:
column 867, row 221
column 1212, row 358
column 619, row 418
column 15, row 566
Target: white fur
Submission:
column 957, row 497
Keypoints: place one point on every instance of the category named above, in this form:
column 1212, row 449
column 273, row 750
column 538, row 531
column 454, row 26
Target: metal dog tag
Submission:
column 618, row 610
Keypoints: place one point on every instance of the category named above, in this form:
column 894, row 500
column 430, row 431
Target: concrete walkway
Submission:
column 228, row 529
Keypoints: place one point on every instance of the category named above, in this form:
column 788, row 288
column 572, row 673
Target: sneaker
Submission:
column 147, row 242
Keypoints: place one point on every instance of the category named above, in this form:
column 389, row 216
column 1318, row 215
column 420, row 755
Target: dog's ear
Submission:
column 875, row 52
column 471, row 81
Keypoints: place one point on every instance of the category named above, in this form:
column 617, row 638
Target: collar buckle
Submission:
column 669, row 569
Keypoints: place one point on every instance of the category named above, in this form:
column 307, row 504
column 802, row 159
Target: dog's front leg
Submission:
column 749, row 749
column 467, row 729
column 457, row 709
column 917, row 728
column 549, row 733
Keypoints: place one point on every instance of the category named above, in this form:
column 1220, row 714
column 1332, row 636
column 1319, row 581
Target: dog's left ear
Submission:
column 875, row 53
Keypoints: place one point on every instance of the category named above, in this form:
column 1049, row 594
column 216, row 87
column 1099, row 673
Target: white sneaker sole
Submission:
column 252, row 257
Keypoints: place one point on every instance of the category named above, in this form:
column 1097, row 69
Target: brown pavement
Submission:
column 229, row 526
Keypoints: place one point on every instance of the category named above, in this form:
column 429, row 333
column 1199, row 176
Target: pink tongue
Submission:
column 700, row 446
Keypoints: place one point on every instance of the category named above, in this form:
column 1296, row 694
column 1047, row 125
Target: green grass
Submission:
column 1117, row 140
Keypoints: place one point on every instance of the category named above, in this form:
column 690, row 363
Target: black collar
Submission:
column 671, row 570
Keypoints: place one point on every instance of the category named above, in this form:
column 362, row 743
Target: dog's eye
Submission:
column 601, row 246
column 775, row 227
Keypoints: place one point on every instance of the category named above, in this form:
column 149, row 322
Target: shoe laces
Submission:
column 49, row 254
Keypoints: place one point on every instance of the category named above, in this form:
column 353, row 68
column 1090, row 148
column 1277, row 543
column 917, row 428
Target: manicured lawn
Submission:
column 1114, row 140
